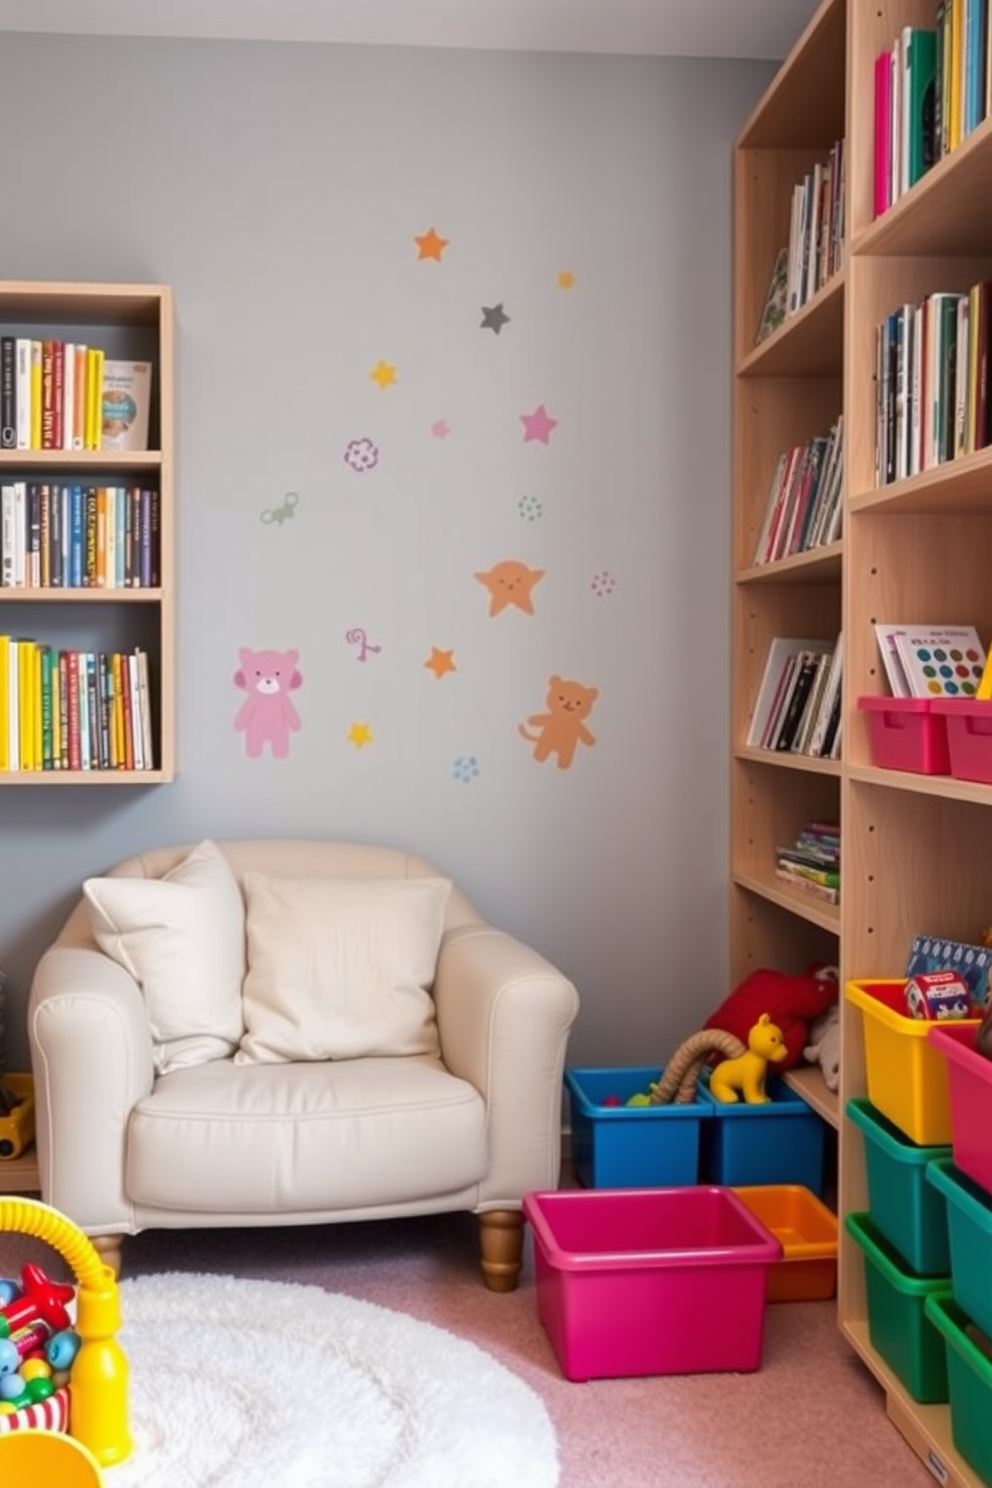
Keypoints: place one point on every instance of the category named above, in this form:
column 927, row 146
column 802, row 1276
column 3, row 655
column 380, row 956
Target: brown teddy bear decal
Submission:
column 562, row 729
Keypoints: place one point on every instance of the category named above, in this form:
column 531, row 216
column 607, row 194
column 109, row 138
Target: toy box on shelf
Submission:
column 898, row 1326
column 907, row 1210
column 650, row 1281
column 969, row 1078
column 905, row 733
column 969, row 736
column 616, row 1145
column 969, row 1232
column 969, row 1384
column 780, row 1141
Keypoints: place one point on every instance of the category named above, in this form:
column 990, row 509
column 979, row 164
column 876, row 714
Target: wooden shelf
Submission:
column 807, row 1081
column 19, row 1175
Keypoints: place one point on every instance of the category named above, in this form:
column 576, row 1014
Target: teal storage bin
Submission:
column 910, row 1212
column 625, row 1146
column 969, row 1229
column 969, row 1381
column 782, row 1141
column 898, row 1327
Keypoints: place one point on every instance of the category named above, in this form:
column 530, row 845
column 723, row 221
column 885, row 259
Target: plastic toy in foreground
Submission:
column 745, row 1075
column 98, row 1391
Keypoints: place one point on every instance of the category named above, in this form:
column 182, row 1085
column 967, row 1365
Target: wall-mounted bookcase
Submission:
column 915, row 849
column 128, row 322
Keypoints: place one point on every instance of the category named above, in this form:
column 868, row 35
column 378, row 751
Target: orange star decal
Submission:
column 440, row 662
column 430, row 245
column 384, row 373
column 566, row 279
column 510, row 583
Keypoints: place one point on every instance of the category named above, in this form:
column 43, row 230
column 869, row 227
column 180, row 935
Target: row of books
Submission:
column 815, row 249
column 812, row 862
column 932, row 401
column 65, row 395
column 73, row 710
column 804, row 506
column 798, row 707
column 56, row 534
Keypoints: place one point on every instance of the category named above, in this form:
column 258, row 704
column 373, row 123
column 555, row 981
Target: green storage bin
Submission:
column 969, row 1380
column 910, row 1212
column 898, row 1328
column 969, row 1225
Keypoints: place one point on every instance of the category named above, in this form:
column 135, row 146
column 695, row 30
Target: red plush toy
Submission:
column 792, row 1002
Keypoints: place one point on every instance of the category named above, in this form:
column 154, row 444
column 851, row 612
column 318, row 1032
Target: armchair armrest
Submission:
column 91, row 1053
column 504, row 1013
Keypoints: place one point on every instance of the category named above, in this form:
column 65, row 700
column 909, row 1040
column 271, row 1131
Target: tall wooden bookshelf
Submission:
column 915, row 853
column 128, row 322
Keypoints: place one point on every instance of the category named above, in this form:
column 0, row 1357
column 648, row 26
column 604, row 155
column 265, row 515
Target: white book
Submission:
column 831, row 687
column 13, row 707
column 147, row 744
column 85, row 760
column 136, row 722
column 887, row 635
column 20, row 534
column 125, row 404
column 916, row 395
column 22, row 391
column 7, row 537
column 68, row 393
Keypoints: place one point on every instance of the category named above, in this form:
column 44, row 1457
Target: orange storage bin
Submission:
column 807, row 1232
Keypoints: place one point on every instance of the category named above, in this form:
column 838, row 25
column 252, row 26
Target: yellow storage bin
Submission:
column 906, row 1075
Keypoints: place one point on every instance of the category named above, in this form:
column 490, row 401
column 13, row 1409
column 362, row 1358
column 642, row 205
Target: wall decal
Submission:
column 441, row 429
column 566, row 279
column 267, row 715
column 362, row 455
column 360, row 734
column 602, row 584
column 510, row 583
column 538, row 425
column 280, row 514
column 465, row 769
column 384, row 373
column 494, row 318
column 562, row 728
column 430, row 245
column 530, row 508
column 357, row 637
column 440, row 662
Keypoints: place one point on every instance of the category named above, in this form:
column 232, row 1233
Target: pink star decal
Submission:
column 538, row 425
column 441, row 429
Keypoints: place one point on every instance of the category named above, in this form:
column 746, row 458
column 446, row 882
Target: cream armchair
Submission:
column 474, row 1125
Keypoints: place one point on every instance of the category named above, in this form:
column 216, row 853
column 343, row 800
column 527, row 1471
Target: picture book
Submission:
column 782, row 651
column 941, row 660
column 891, row 660
column 124, row 405
column 972, row 963
column 775, row 301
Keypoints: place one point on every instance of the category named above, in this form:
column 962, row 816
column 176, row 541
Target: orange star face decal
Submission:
column 510, row 583
column 440, row 662
column 430, row 245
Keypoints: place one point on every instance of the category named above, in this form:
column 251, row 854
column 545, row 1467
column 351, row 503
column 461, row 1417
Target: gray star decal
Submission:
column 494, row 318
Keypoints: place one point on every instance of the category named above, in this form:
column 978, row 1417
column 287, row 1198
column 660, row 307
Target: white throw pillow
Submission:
column 340, row 968
column 182, row 938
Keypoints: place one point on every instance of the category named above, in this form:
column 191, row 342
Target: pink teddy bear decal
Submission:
column 267, row 715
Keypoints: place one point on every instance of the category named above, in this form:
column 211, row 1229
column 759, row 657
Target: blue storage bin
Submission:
column 782, row 1141
column 969, row 1228
column 631, row 1146
column 910, row 1212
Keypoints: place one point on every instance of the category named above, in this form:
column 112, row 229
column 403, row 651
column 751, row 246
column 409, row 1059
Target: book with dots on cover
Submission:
column 941, row 661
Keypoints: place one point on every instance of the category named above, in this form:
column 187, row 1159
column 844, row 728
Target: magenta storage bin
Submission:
column 650, row 1281
column 969, row 1089
column 907, row 734
column 969, row 736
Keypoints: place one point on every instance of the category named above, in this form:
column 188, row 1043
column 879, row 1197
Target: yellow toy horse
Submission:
column 746, row 1073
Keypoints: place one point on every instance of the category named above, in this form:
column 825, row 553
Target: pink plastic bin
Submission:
column 969, row 736
column 969, row 1088
column 650, row 1281
column 906, row 734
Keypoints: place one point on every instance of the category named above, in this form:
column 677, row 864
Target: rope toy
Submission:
column 677, row 1085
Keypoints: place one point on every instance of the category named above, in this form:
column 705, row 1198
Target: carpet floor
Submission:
column 811, row 1415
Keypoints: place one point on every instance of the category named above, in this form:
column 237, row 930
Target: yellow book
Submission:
column 985, row 685
column 35, row 395
column 4, row 709
column 94, row 396
column 956, row 101
column 25, row 691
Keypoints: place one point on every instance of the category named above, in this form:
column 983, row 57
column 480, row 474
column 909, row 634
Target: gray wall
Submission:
column 279, row 189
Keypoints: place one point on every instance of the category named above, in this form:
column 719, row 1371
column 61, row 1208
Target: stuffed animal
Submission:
column 824, row 1045
column 791, row 1002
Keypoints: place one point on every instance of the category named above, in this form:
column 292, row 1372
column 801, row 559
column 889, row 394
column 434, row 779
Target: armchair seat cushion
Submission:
column 266, row 1138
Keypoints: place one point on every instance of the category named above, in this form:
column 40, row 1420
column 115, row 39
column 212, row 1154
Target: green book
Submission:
column 921, row 89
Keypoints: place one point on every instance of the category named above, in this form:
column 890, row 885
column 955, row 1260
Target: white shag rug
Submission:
column 239, row 1383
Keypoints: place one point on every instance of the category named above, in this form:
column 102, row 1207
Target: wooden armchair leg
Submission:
column 501, row 1233
column 108, row 1248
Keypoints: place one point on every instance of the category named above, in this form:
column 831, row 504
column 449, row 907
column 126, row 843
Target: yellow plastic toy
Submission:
column 98, row 1390
column 48, row 1457
column 746, row 1073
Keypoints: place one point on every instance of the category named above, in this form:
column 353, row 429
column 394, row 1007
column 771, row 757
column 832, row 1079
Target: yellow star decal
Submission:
column 359, row 734
column 510, row 583
column 430, row 245
column 440, row 662
column 566, row 279
column 384, row 373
